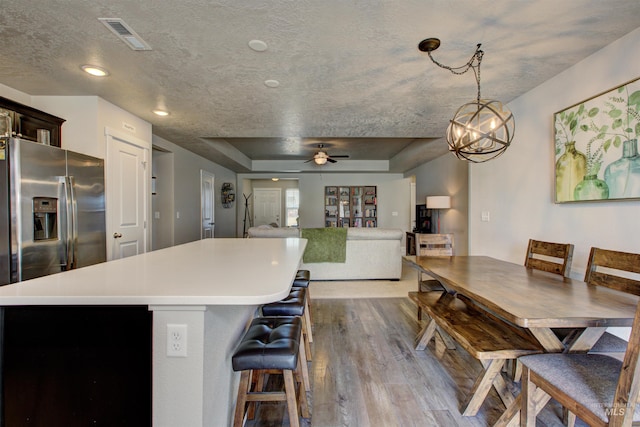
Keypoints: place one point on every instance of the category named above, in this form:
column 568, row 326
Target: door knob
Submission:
column 117, row 235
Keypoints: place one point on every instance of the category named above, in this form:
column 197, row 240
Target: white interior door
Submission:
column 127, row 199
column 207, row 204
column 267, row 204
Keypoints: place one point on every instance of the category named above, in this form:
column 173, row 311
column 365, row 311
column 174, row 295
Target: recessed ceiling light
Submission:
column 95, row 71
column 161, row 113
column 271, row 83
column 275, row 179
column 258, row 45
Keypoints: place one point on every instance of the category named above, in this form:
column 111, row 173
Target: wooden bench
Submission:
column 485, row 337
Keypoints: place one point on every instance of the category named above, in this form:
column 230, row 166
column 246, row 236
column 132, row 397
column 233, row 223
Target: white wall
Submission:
column 186, row 190
column 15, row 95
column 86, row 120
column 517, row 188
column 393, row 196
column 447, row 176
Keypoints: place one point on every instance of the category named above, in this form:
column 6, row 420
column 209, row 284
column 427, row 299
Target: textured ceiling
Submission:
column 350, row 73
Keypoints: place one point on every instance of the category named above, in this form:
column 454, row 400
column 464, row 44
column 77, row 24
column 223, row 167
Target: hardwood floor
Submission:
column 365, row 372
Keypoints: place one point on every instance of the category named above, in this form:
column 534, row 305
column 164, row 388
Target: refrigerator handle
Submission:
column 72, row 223
column 66, row 227
column 63, row 222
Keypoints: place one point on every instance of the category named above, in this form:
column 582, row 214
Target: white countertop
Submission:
column 205, row 272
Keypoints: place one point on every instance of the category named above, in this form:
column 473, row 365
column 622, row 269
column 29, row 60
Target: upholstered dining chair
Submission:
column 599, row 389
column 432, row 245
column 548, row 256
column 612, row 269
column 608, row 268
column 554, row 258
column 602, row 267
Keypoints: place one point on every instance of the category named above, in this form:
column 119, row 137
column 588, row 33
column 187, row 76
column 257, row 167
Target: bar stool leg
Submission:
column 304, row 404
column 257, row 381
column 292, row 401
column 305, row 337
column 307, row 319
column 304, row 369
column 243, row 391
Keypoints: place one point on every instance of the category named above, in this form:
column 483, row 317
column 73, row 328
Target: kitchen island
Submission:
column 211, row 286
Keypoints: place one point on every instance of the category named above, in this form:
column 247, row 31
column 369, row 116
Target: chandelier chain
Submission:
column 473, row 63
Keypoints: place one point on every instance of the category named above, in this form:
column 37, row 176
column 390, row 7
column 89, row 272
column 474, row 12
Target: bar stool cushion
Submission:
column 292, row 305
column 302, row 279
column 269, row 343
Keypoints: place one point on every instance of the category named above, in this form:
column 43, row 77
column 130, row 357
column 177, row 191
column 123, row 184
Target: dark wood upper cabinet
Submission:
column 26, row 121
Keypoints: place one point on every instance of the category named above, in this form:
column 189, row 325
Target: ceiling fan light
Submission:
column 320, row 158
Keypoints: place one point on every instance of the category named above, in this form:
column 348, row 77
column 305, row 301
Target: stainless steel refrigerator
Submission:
column 52, row 210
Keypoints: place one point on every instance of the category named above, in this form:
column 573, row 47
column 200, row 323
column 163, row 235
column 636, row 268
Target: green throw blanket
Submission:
column 325, row 245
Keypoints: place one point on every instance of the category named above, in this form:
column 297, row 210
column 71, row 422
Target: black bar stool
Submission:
column 271, row 344
column 302, row 280
column 293, row 305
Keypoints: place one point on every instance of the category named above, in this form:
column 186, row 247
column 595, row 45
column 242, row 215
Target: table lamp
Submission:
column 436, row 203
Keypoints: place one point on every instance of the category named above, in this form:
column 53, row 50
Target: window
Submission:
column 292, row 196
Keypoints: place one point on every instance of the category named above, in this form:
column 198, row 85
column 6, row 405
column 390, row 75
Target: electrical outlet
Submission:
column 176, row 340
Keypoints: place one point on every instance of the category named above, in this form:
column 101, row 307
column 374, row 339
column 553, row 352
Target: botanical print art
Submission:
column 596, row 145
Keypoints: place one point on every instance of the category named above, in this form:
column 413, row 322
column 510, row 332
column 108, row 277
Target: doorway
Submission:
column 162, row 200
column 266, row 206
column 207, row 205
column 127, row 177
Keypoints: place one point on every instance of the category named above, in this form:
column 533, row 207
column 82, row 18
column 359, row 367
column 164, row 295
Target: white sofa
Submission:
column 372, row 253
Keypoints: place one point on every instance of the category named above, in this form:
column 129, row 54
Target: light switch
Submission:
column 485, row 216
column 156, row 215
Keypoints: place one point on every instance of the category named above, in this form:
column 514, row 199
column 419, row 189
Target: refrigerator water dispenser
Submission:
column 45, row 218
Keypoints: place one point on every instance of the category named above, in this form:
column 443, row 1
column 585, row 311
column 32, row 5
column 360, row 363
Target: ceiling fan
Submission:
column 321, row 157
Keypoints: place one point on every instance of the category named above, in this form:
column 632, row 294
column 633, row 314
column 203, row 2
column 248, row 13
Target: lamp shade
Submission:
column 438, row 202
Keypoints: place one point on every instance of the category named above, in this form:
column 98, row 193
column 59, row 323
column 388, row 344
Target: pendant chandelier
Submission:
column 480, row 130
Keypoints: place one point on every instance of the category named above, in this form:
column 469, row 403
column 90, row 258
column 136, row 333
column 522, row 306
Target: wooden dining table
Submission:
column 536, row 300
column 532, row 299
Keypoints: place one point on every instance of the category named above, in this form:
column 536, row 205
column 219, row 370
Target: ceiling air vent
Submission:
column 125, row 33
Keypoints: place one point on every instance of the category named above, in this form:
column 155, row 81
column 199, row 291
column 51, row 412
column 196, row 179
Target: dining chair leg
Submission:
column 568, row 417
column 527, row 408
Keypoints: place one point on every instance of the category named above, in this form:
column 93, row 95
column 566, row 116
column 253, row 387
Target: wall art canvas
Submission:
column 596, row 147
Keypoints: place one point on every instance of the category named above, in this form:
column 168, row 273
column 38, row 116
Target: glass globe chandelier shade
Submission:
column 480, row 130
